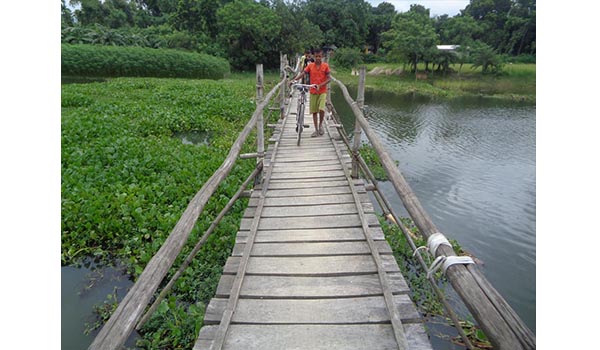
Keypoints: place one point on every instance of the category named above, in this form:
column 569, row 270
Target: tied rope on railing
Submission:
column 442, row 261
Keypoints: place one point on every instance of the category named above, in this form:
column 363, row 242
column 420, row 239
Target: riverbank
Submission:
column 517, row 83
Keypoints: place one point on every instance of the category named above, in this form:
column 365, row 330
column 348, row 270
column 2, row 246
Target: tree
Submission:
column 412, row 37
column 248, row 31
column 343, row 22
column 297, row 33
column 485, row 57
column 66, row 16
column 379, row 21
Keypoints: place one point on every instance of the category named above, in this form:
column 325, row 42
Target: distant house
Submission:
column 448, row 48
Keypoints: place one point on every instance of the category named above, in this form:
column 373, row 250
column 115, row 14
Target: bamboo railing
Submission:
column 498, row 320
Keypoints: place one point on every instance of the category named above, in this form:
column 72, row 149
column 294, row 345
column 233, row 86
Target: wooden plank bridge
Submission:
column 311, row 268
column 319, row 273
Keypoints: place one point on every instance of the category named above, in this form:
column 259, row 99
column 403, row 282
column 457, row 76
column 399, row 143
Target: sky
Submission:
column 436, row 7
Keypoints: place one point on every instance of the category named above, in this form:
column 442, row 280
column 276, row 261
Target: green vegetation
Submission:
column 115, row 61
column 421, row 291
column 125, row 181
column 517, row 82
column 246, row 32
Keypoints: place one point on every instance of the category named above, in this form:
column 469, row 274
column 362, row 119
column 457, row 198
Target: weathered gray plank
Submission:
column 353, row 310
column 310, row 337
column 312, row 266
column 311, row 249
column 306, row 184
column 417, row 337
column 309, row 222
column 307, row 159
column 294, row 167
column 294, row 287
column 308, row 200
column 313, row 235
column 303, row 192
column 314, row 180
column 304, row 210
column 308, row 174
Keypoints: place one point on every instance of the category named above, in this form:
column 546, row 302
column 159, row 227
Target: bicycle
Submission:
column 303, row 88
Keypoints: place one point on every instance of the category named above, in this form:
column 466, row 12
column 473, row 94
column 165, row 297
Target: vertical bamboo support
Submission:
column 360, row 100
column 282, row 74
column 260, row 124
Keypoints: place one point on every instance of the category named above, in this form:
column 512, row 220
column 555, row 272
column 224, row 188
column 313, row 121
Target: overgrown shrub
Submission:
column 114, row 61
column 347, row 58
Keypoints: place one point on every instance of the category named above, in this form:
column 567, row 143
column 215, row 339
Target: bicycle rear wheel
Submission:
column 300, row 123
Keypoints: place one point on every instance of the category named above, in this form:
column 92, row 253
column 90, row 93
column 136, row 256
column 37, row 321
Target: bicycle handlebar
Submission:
column 300, row 86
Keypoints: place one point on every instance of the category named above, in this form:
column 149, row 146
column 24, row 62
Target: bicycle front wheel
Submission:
column 300, row 123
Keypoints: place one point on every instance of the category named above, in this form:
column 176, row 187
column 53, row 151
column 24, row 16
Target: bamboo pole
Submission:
column 498, row 320
column 123, row 320
column 282, row 63
column 260, row 125
column 360, row 100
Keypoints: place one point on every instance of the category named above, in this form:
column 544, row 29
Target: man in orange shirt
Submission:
column 319, row 77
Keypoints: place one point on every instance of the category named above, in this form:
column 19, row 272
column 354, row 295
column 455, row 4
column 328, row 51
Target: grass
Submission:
column 516, row 83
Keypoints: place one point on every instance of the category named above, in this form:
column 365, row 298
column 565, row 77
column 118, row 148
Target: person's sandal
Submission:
column 321, row 131
column 314, row 134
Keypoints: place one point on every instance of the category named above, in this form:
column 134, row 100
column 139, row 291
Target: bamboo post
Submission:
column 260, row 124
column 498, row 320
column 360, row 100
column 282, row 64
column 123, row 320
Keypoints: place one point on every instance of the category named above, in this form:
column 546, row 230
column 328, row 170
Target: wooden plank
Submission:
column 417, row 337
column 302, row 164
column 302, row 192
column 308, row 200
column 304, row 210
column 295, row 168
column 315, row 180
column 308, row 174
column 309, row 222
column 314, row 152
column 313, row 235
column 311, row 266
column 310, row 337
column 352, row 310
column 306, row 184
column 294, row 287
column 306, row 160
column 312, row 249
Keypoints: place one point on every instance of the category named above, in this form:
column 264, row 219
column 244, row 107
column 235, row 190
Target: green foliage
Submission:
column 109, row 61
column 421, row 291
column 248, row 30
column 412, row 37
column 369, row 155
column 347, row 58
column 173, row 325
column 125, row 181
column 485, row 57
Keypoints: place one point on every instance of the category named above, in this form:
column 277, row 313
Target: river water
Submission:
column 471, row 163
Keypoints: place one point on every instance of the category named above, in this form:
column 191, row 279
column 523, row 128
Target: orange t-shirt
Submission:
column 317, row 76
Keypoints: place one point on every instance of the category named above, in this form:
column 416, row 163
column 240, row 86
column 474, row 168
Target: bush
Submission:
column 347, row 58
column 116, row 61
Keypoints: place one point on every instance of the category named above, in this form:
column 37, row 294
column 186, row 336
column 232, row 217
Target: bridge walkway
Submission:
column 318, row 272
